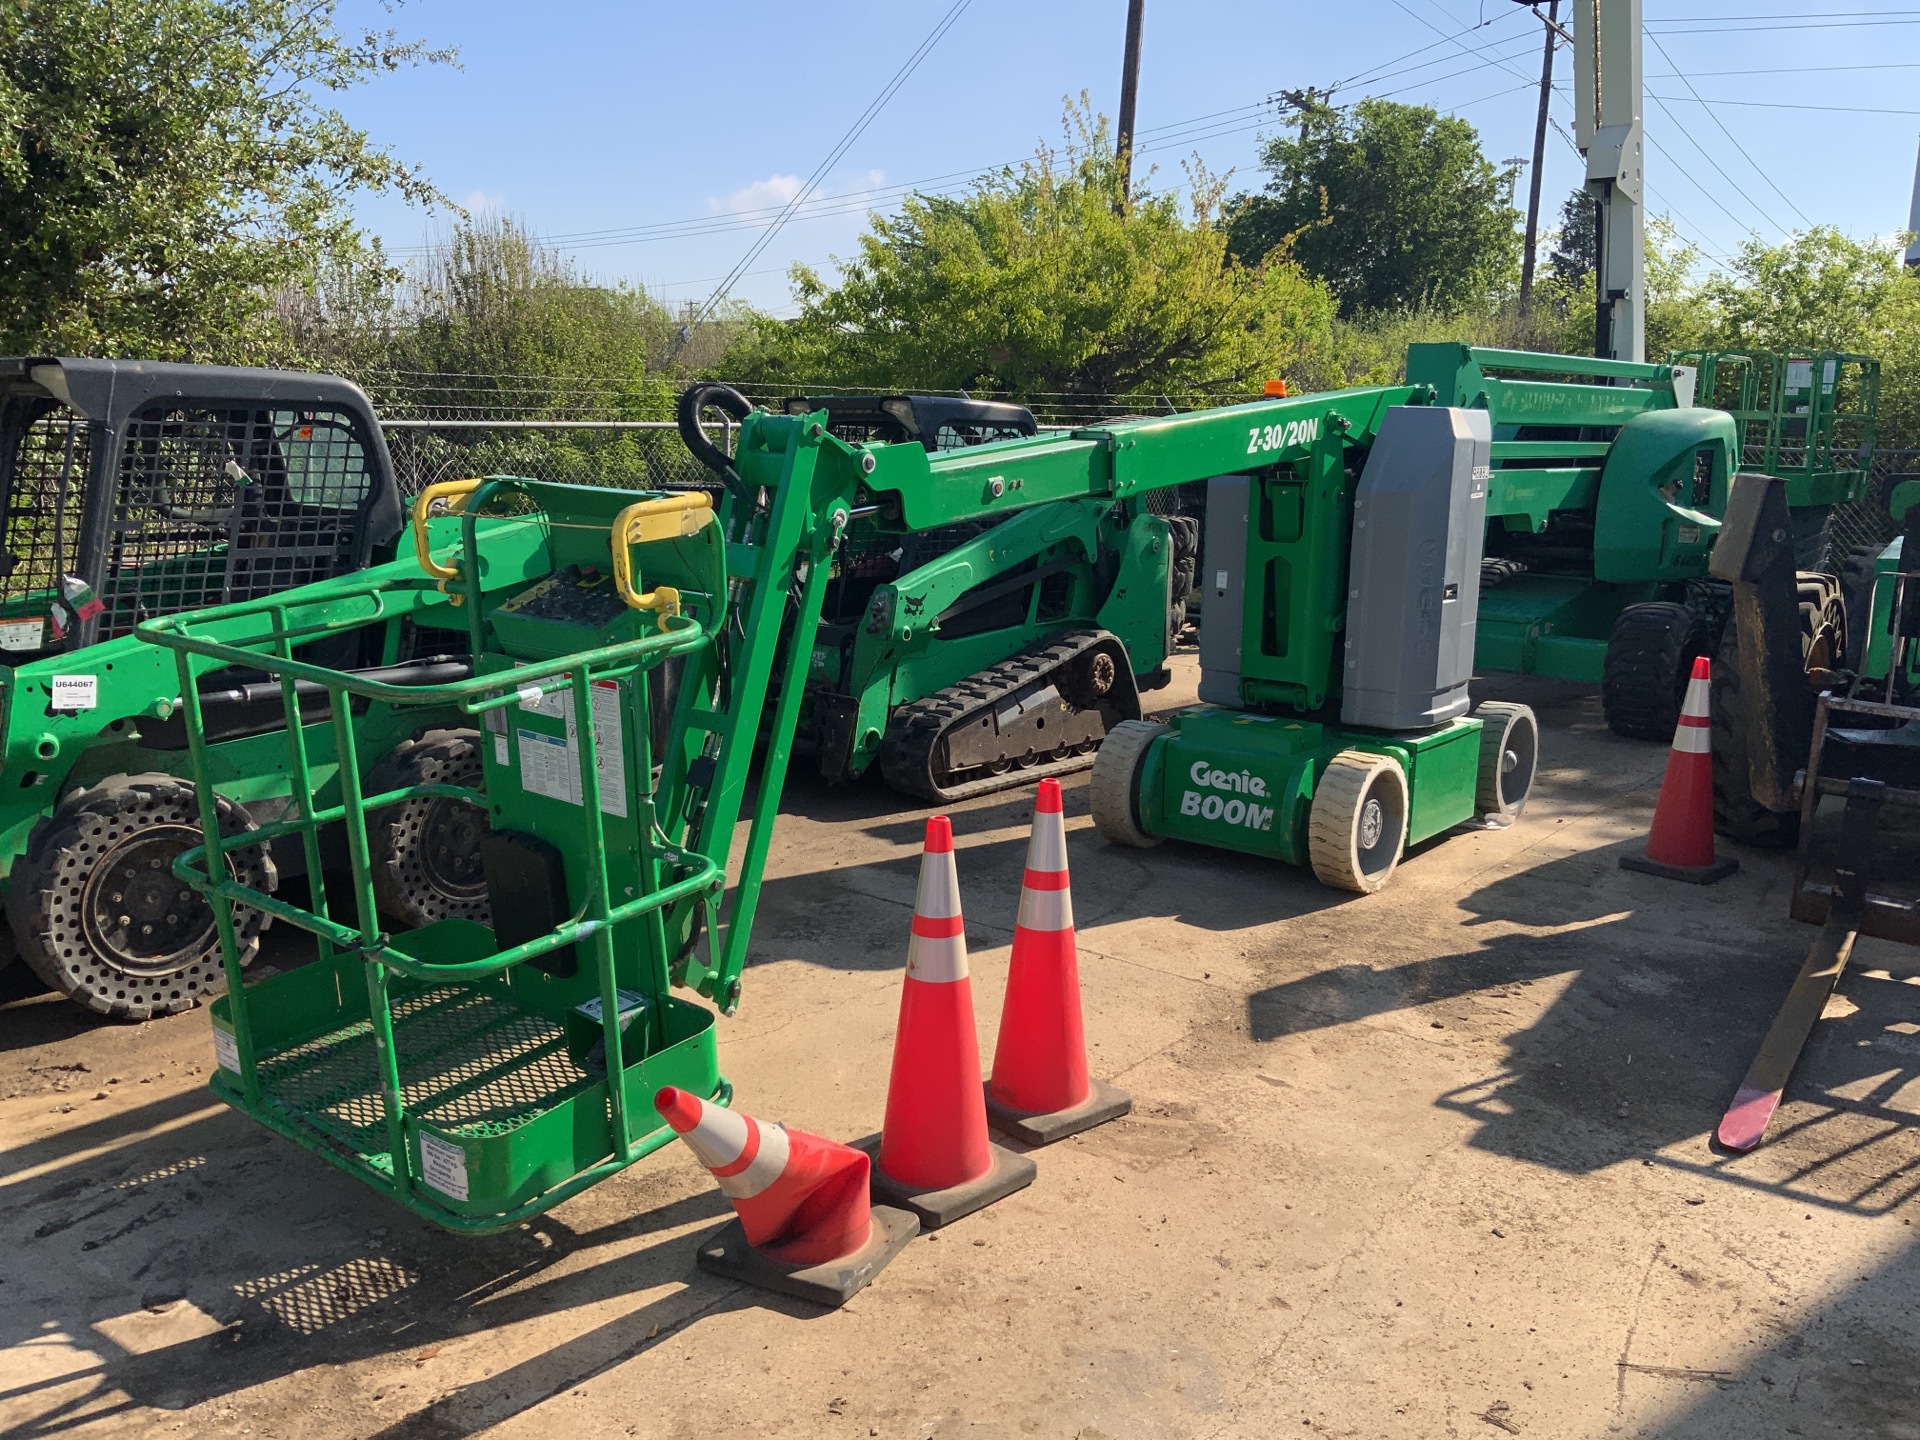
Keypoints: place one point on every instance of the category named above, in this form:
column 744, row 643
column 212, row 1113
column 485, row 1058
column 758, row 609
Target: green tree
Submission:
column 514, row 326
column 1570, row 249
column 1394, row 206
column 167, row 165
column 1038, row 281
column 1818, row 290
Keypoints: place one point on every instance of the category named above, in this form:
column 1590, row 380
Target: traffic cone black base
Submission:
column 1009, row 1172
column 1106, row 1103
column 1722, row 867
column 831, row 1284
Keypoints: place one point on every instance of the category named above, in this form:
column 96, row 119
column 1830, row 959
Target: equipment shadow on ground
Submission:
column 321, row 1276
column 1656, row 1017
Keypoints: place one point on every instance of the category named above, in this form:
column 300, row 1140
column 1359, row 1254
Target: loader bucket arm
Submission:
column 1755, row 555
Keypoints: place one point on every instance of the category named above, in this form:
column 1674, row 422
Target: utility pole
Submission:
column 1305, row 102
column 1609, row 85
column 1129, row 94
column 1530, row 260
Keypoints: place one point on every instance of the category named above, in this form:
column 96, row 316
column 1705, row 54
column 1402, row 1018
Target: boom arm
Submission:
column 918, row 491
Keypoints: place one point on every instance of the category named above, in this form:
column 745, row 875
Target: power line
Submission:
column 1814, row 25
column 1717, row 167
column 1731, row 137
column 1787, row 70
column 1780, row 15
column 1705, row 193
column 1453, row 39
column 1372, row 74
column 854, row 132
column 1786, row 105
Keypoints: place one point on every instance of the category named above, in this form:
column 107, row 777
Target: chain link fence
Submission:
column 623, row 454
column 1866, row 521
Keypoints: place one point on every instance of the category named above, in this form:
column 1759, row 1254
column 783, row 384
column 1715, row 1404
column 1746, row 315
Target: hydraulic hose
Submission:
column 695, row 399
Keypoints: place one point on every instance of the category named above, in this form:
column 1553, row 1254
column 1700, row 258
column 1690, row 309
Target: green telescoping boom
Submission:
column 479, row 1074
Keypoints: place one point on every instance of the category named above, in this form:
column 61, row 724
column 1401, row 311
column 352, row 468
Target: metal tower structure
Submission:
column 1913, row 218
column 1608, row 89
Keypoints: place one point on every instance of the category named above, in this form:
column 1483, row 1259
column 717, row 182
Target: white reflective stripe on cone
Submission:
column 938, row 897
column 1698, row 693
column 1047, row 850
column 937, row 959
column 1693, row 739
column 1045, row 909
column 766, row 1166
column 720, row 1138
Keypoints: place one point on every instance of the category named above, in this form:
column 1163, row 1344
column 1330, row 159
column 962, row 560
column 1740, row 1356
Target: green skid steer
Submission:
column 131, row 491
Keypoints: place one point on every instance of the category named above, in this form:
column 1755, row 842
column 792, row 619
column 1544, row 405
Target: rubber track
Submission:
column 916, row 729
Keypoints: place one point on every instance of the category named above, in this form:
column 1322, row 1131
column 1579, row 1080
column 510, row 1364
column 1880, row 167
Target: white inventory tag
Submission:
column 501, row 754
column 75, row 692
column 443, row 1166
column 21, row 634
column 554, row 703
column 226, row 1050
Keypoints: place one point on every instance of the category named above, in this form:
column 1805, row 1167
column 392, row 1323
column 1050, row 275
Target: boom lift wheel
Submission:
column 98, row 914
column 1358, row 822
column 1650, row 656
column 426, row 852
column 1509, row 756
column 1116, row 783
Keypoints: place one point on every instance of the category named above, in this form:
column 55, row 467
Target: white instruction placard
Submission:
column 226, row 1050
column 75, row 692
column 548, row 766
column 610, row 747
column 443, row 1166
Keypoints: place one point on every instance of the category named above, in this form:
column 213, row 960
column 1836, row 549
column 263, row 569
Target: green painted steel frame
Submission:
column 1812, row 436
column 716, row 720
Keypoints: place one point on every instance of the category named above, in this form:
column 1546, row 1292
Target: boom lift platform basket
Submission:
column 480, row 1074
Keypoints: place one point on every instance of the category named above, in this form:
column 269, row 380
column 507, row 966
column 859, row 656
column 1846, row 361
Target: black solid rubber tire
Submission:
column 1649, row 657
column 1856, row 594
column 49, row 885
column 411, row 890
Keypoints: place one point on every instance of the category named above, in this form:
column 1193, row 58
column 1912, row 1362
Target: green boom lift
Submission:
column 480, row 1072
column 1607, row 493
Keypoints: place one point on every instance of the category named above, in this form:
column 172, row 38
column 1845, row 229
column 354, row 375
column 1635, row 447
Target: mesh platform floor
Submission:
column 470, row 1063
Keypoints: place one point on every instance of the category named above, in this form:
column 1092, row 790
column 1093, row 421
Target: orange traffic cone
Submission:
column 1680, row 846
column 935, row 1158
column 1040, row 1091
column 803, row 1225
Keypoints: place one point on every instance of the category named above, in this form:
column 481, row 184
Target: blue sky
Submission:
column 584, row 117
